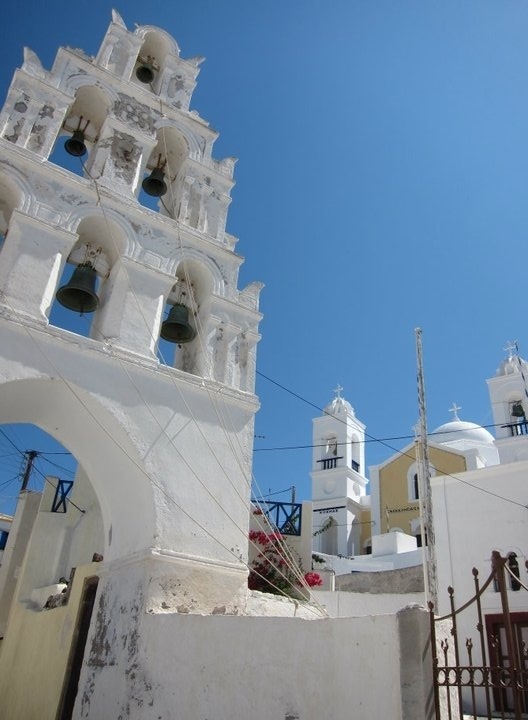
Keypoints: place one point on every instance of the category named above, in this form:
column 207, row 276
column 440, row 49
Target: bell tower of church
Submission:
column 129, row 245
column 509, row 401
column 338, row 479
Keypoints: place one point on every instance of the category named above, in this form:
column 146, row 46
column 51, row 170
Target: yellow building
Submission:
column 454, row 447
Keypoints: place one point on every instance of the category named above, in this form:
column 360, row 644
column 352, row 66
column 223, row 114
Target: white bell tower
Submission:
column 166, row 451
column 338, row 479
column 509, row 402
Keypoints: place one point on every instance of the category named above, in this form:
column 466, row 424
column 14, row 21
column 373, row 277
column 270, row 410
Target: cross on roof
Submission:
column 454, row 409
column 338, row 390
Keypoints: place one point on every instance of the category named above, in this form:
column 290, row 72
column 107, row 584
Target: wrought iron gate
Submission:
column 488, row 678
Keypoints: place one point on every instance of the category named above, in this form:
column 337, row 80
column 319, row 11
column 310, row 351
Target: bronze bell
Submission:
column 517, row 409
column 155, row 184
column 75, row 145
column 176, row 327
column 145, row 72
column 79, row 293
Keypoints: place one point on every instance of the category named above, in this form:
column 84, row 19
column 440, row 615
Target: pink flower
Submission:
column 258, row 536
column 313, row 579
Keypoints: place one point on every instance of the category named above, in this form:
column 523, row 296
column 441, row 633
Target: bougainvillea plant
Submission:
column 271, row 572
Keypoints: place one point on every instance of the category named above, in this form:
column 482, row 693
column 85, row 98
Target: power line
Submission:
column 401, row 453
column 368, row 440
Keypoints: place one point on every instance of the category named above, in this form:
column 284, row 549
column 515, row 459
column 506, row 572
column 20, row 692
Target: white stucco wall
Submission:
column 471, row 521
column 232, row 667
column 485, row 512
column 22, row 527
column 350, row 604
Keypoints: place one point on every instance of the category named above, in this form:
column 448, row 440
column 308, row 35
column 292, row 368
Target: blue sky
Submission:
column 382, row 185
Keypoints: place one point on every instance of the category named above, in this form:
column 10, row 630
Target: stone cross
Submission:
column 454, row 409
column 338, row 390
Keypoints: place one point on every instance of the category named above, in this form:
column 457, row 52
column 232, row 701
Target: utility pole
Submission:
column 30, row 456
column 424, row 484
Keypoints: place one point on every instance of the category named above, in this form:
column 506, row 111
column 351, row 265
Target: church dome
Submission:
column 458, row 431
column 339, row 406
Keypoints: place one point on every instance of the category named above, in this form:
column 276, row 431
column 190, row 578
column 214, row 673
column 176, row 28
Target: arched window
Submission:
column 150, row 61
column 187, row 310
column 80, row 297
column 331, row 446
column 413, row 484
column 9, row 201
column 416, row 489
column 81, row 129
column 161, row 185
column 356, row 453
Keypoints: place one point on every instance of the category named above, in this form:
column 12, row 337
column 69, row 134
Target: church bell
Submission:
column 517, row 410
column 75, row 144
column 155, row 184
column 176, row 328
column 145, row 72
column 79, row 293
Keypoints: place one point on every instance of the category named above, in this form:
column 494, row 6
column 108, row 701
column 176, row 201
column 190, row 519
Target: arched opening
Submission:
column 190, row 298
column 10, row 199
column 416, row 531
column 81, row 129
column 80, row 296
column 150, row 61
column 103, row 449
column 330, row 448
column 356, row 453
column 160, row 186
column 517, row 412
column 57, row 523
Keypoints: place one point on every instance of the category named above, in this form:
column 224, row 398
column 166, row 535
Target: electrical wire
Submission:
column 69, row 385
column 400, row 453
column 369, row 440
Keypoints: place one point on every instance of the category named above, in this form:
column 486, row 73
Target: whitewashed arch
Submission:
column 99, row 442
column 172, row 46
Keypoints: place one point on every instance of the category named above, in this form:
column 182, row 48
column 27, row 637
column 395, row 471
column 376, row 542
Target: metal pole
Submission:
column 30, row 458
column 424, row 480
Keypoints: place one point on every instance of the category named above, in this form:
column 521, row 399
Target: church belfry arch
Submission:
column 166, row 449
column 101, row 446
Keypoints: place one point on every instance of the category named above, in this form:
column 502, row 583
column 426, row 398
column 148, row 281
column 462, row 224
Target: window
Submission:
column 3, row 539
column 331, row 446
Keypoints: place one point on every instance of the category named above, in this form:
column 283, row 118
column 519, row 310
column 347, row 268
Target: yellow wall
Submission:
column 394, row 492
column 34, row 655
column 366, row 527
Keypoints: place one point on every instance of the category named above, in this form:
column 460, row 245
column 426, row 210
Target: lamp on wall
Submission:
column 75, row 145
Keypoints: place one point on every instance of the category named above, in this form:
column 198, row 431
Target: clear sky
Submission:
column 382, row 185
